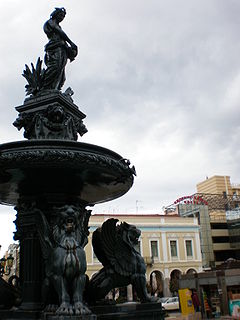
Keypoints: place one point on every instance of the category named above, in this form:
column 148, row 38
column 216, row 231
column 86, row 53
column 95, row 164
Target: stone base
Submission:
column 49, row 316
column 19, row 314
column 129, row 311
column 39, row 315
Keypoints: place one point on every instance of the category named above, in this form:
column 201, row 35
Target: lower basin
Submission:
column 61, row 168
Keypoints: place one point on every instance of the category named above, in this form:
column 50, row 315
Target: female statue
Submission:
column 58, row 50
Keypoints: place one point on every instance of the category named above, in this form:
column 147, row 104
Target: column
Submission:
column 30, row 272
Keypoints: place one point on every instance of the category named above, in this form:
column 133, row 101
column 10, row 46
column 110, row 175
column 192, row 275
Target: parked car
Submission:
column 163, row 299
column 171, row 303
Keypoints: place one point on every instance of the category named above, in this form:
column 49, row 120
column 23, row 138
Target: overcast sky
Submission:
column 158, row 80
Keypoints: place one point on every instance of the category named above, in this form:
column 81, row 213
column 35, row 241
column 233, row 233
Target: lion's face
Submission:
column 134, row 234
column 130, row 234
column 68, row 219
column 69, row 224
column 55, row 113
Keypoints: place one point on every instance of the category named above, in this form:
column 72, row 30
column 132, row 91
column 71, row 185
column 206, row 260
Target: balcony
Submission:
column 219, row 232
column 221, row 246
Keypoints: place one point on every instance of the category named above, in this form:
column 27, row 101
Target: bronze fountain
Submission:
column 52, row 180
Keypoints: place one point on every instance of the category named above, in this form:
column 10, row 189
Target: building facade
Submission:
column 200, row 211
column 216, row 205
column 224, row 212
column 170, row 246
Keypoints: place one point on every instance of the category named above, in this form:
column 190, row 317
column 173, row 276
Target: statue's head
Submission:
column 58, row 14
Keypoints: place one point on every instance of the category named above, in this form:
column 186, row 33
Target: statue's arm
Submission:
column 62, row 34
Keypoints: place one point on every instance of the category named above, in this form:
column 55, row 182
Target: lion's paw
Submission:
column 80, row 308
column 51, row 308
column 65, row 309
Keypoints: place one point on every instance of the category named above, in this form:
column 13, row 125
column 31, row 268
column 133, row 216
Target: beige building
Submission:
column 170, row 246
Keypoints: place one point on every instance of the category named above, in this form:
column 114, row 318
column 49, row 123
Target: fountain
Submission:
column 52, row 179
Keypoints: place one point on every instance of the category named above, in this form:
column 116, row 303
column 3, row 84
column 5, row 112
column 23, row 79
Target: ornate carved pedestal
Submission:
column 52, row 115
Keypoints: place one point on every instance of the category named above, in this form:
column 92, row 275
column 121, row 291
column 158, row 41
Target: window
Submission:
column 220, row 239
column 189, row 250
column 234, row 195
column 154, row 249
column 173, row 248
column 224, row 255
column 219, row 225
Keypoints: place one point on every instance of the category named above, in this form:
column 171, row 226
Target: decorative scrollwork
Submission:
column 60, row 158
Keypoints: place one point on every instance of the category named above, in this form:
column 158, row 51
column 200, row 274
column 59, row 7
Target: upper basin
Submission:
column 62, row 169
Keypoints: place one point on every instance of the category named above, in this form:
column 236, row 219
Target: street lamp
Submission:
column 9, row 264
column 10, row 261
column 2, row 266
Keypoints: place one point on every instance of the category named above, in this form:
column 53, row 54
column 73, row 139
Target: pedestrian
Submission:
column 196, row 302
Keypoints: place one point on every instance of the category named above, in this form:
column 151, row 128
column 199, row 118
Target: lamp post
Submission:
column 6, row 265
column 9, row 264
column 2, row 266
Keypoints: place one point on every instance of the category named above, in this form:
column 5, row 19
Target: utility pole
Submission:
column 137, row 206
column 137, row 202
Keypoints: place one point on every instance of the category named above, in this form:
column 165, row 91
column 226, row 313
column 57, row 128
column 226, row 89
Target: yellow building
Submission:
column 170, row 246
column 218, row 185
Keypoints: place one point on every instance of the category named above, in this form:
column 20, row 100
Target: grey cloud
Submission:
column 157, row 79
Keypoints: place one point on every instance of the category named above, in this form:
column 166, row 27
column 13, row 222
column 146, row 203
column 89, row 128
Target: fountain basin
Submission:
column 62, row 169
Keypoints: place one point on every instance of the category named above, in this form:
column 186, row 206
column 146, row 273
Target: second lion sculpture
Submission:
column 114, row 245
